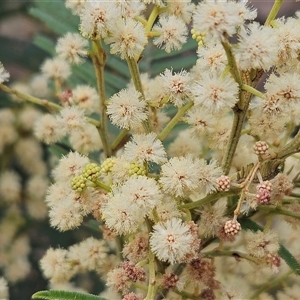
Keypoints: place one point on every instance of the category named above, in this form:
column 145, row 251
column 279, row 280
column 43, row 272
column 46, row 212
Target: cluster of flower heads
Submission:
column 145, row 193
column 23, row 185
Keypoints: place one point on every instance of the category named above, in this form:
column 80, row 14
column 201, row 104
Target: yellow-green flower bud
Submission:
column 136, row 169
column 107, row 165
column 78, row 183
column 91, row 172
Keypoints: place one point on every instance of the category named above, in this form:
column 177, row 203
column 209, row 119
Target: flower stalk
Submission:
column 98, row 57
column 174, row 121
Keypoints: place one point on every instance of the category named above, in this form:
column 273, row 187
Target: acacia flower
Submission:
column 4, row 75
column 181, row 9
column 200, row 120
column 138, row 248
column 10, row 186
column 39, row 86
column 127, row 108
column 166, row 209
column 56, row 192
column 72, row 118
column 260, row 243
column 56, row 68
column 48, row 130
column 121, row 216
column 216, row 19
column 142, row 192
column 72, row 47
column 212, row 219
column 288, row 36
column 85, row 97
column 55, row 266
column 257, row 47
column 173, row 33
column 172, row 241
column 93, row 253
column 69, row 166
column 212, row 58
column 207, row 175
column 130, row 9
column 127, row 38
column 64, row 215
column 283, row 90
column 76, row 6
column 86, row 139
column 184, row 144
column 179, row 176
column 145, row 148
column 95, row 18
column 215, row 93
column 176, row 86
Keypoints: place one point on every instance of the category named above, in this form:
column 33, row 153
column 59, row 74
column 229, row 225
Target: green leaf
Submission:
column 284, row 253
column 55, row 15
column 44, row 43
column 59, row 149
column 64, row 295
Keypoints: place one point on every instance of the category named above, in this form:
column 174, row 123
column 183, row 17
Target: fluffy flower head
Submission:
column 179, row 176
column 76, row 6
column 86, row 139
column 48, row 129
column 176, row 86
column 126, row 108
column 171, row 241
column 85, row 97
column 121, row 216
column 127, row 38
column 259, row 243
column 257, row 47
column 69, row 166
column 95, row 19
column 173, row 33
column 215, row 93
column 142, row 192
column 181, row 9
column 216, row 19
column 145, row 148
column 72, row 118
column 56, row 68
column 72, row 47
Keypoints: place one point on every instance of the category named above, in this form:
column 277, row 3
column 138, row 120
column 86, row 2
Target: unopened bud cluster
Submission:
column 223, row 183
column 91, row 172
column 273, row 260
column 232, row 227
column 169, row 280
column 263, row 195
column 137, row 169
column 198, row 37
column 78, row 183
column 107, row 165
column 260, row 148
